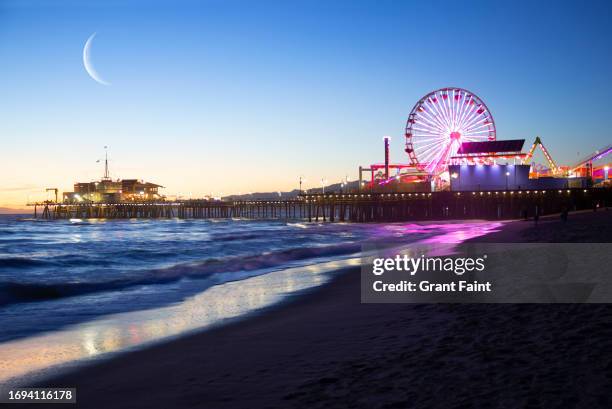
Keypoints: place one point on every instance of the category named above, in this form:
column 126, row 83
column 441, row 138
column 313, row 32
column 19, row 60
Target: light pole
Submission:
column 323, row 181
column 606, row 169
column 507, row 174
column 302, row 180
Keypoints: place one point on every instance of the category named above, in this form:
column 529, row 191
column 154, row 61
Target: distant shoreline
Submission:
column 8, row 211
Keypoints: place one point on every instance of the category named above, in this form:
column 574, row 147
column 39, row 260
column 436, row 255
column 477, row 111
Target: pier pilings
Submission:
column 349, row 207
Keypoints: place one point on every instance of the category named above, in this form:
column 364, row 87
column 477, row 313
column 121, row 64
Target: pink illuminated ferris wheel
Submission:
column 440, row 122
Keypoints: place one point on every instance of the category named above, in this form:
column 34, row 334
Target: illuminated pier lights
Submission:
column 456, row 286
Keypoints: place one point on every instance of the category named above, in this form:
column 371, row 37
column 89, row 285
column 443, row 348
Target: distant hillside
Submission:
column 335, row 188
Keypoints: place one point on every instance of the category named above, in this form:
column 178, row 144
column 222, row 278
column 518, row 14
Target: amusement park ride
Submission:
column 452, row 126
column 584, row 167
column 553, row 168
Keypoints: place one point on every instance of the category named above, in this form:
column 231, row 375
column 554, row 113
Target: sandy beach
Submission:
column 324, row 349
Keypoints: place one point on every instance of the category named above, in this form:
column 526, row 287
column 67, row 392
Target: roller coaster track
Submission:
column 598, row 154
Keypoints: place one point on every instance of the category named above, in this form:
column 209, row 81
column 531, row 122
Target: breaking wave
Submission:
column 14, row 292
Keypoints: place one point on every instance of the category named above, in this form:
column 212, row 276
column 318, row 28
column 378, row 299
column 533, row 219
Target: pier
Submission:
column 348, row 207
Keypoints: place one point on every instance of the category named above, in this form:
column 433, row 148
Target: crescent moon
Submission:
column 87, row 62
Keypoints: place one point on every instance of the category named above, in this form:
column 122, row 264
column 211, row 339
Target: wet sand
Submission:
column 325, row 349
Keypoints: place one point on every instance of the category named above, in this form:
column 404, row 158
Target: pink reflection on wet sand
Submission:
column 443, row 232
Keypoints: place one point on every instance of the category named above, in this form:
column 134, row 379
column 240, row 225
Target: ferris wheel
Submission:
column 440, row 122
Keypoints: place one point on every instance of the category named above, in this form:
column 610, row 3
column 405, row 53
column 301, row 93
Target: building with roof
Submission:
column 499, row 165
column 114, row 191
column 107, row 190
column 489, row 152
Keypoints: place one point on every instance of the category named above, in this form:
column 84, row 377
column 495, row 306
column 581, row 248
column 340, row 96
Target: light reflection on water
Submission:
column 41, row 353
column 121, row 331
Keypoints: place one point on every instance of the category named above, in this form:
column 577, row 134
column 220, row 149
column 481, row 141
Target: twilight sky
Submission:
column 234, row 96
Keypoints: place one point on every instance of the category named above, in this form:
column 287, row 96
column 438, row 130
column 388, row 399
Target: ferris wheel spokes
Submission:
column 441, row 121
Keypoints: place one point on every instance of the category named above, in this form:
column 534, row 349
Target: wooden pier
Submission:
column 348, row 207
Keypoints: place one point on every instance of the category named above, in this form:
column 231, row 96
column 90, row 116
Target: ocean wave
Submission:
column 143, row 254
column 235, row 237
column 68, row 260
column 15, row 292
column 79, row 260
column 22, row 262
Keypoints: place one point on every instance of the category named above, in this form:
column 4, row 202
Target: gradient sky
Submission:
column 237, row 96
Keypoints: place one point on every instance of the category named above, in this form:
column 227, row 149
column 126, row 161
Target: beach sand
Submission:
column 325, row 349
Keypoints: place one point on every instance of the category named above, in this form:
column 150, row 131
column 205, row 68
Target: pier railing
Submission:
column 358, row 207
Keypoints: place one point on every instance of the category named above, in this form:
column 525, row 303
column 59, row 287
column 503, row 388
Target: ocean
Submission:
column 79, row 289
